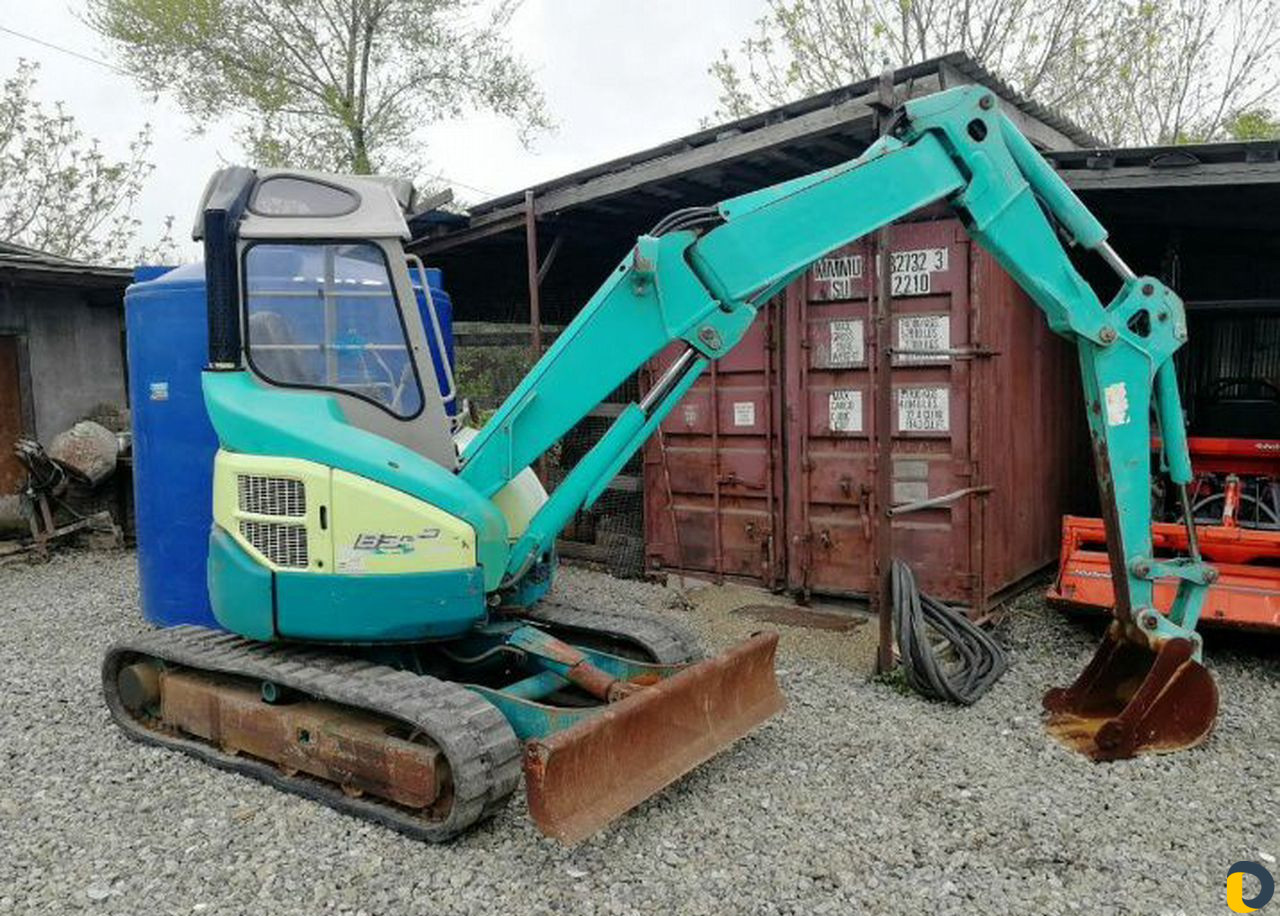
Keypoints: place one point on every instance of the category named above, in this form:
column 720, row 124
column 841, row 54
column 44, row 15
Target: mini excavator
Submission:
column 381, row 578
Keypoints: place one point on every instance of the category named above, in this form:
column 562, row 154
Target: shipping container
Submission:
column 768, row 470
column 713, row 472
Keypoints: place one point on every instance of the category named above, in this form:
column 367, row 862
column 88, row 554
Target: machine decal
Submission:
column 1117, row 404
column 382, row 544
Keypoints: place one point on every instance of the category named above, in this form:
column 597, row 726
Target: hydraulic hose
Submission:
column 979, row 660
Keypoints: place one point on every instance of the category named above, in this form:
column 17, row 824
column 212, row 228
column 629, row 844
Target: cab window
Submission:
column 286, row 196
column 326, row 316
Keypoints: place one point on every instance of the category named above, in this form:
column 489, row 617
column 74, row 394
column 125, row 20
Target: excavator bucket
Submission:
column 1130, row 700
column 582, row 778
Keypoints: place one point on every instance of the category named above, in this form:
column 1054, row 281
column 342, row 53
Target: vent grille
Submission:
column 271, row 495
column 283, row 545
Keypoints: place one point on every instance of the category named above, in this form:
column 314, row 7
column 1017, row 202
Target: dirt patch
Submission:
column 796, row 616
column 715, row 611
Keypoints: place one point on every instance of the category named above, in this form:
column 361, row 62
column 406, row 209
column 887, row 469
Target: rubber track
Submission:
column 483, row 753
column 668, row 641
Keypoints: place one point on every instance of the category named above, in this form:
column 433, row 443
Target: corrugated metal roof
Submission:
column 1254, row 162
column 958, row 62
column 20, row 260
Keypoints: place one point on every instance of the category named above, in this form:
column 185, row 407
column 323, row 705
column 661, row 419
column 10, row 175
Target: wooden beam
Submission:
column 430, row 245
column 851, row 113
column 535, row 277
column 550, row 258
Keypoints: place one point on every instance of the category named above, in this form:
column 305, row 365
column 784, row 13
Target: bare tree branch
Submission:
column 1130, row 71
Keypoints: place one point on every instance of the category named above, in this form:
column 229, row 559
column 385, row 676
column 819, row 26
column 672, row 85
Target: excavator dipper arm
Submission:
column 701, row 274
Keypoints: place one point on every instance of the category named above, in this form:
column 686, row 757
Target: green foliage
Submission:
column 59, row 192
column 1130, row 71
column 340, row 85
column 487, row 374
column 1254, row 124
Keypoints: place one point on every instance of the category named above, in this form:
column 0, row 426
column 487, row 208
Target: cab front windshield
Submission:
column 325, row 315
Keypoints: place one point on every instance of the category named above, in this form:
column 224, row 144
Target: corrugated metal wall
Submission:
column 1227, row 344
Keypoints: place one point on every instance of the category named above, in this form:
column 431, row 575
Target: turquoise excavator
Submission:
column 381, row 575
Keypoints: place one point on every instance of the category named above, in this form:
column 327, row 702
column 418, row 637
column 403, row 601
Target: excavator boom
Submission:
column 701, row 274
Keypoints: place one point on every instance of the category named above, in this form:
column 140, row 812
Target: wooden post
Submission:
column 531, row 258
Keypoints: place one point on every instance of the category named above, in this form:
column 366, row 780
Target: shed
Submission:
column 61, row 346
column 582, row 223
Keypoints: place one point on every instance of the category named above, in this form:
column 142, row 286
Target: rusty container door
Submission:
column 827, row 421
column 831, row 430
column 984, row 419
column 11, row 472
column 831, row 416
column 712, row 473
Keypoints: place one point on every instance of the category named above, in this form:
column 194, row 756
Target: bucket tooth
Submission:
column 1130, row 700
column 586, row 776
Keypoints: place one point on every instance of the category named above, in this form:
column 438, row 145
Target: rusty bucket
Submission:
column 582, row 778
column 1132, row 700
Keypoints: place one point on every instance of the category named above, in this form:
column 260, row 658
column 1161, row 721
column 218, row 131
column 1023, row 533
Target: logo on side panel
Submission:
column 382, row 544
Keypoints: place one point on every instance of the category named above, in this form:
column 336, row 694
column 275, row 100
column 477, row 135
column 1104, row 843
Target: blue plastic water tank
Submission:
column 173, row 441
column 444, row 309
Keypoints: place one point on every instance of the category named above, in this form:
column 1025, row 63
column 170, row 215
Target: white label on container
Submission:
column 910, row 469
column 911, row 272
column 840, row 271
column 924, row 332
column 924, row 410
column 845, row 411
column 690, row 415
column 1117, row 404
column 744, row 413
column 910, row 491
column 159, row 391
column 848, row 343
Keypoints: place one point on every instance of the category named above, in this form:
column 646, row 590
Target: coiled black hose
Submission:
column 979, row 660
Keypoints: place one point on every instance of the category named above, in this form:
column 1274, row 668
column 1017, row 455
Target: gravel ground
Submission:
column 857, row 799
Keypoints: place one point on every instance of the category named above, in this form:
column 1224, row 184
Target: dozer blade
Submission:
column 1130, row 700
column 582, row 778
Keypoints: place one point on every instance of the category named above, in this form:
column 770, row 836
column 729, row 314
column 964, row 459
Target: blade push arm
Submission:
column 700, row 277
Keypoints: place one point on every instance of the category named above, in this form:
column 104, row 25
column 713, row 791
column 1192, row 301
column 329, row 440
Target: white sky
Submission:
column 619, row 76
